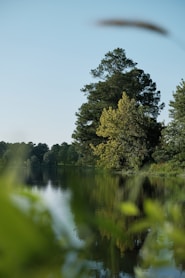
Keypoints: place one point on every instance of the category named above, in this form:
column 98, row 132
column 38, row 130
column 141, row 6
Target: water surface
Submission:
column 85, row 209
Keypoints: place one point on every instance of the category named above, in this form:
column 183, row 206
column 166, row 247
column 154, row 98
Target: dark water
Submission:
column 85, row 205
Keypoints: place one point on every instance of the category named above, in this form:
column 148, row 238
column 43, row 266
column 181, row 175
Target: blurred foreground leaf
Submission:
column 154, row 211
column 129, row 209
column 28, row 247
column 133, row 23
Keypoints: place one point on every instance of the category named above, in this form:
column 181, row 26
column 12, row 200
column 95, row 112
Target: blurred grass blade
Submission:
column 135, row 24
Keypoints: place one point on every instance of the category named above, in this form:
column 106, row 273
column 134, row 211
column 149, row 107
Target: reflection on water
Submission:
column 57, row 201
column 85, row 210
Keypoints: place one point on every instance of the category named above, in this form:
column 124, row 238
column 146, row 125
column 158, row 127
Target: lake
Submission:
column 94, row 212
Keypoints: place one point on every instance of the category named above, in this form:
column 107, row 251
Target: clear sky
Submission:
column 48, row 47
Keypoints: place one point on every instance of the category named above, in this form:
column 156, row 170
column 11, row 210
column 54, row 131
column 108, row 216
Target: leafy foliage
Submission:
column 126, row 139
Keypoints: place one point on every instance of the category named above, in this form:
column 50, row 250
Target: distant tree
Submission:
column 116, row 73
column 39, row 151
column 55, row 149
column 49, row 159
column 33, row 163
column 63, row 152
column 72, row 155
column 15, row 153
column 124, row 129
column 3, row 148
column 7, row 157
column 22, row 150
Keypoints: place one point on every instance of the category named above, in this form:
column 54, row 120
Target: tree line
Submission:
column 118, row 127
column 36, row 155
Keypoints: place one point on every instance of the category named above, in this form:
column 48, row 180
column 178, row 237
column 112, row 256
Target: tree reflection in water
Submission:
column 112, row 249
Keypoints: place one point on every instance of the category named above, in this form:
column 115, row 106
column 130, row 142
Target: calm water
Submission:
column 85, row 209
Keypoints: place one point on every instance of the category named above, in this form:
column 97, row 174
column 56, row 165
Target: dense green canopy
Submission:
column 124, row 128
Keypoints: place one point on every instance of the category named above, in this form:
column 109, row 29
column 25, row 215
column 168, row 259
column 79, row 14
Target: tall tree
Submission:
column 177, row 111
column 116, row 73
column 173, row 136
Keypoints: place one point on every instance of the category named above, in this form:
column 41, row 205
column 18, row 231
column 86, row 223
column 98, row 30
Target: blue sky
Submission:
column 48, row 48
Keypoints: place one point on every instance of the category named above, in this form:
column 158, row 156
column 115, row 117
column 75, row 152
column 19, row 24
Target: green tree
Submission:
column 63, row 152
column 3, row 148
column 126, row 139
column 55, row 149
column 72, row 155
column 172, row 145
column 116, row 73
column 39, row 151
column 177, row 111
column 15, row 153
column 33, row 163
column 49, row 159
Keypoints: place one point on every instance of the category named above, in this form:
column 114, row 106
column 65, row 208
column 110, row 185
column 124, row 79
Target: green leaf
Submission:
column 177, row 236
column 140, row 226
column 154, row 211
column 129, row 208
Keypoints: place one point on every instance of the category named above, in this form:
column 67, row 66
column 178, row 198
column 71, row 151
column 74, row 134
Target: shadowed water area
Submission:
column 88, row 210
